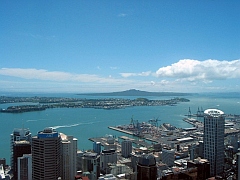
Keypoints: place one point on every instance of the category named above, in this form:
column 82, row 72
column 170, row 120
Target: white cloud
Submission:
column 41, row 74
column 122, row 15
column 113, row 68
column 206, row 71
column 147, row 73
column 153, row 83
column 164, row 82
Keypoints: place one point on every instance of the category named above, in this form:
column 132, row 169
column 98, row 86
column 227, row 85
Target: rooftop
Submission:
column 213, row 112
column 147, row 160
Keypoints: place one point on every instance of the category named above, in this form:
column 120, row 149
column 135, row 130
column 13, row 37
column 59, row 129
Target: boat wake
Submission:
column 73, row 125
column 34, row 120
column 65, row 126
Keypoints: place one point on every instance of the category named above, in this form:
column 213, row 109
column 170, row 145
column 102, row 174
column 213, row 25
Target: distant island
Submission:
column 134, row 92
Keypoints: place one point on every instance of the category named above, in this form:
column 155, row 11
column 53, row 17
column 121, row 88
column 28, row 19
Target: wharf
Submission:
column 151, row 139
column 193, row 122
column 137, row 142
column 126, row 138
column 103, row 141
column 98, row 139
column 120, row 130
column 146, row 136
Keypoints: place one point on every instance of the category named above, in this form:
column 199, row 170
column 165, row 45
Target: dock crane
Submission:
column 154, row 122
column 200, row 113
column 136, row 127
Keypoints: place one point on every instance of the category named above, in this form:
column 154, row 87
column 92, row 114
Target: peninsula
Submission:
column 42, row 103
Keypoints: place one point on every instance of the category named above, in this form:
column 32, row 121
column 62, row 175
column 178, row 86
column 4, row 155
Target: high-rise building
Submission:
column 135, row 156
column 192, row 150
column 146, row 168
column 168, row 156
column 107, row 156
column 213, row 140
column 97, row 147
column 203, row 167
column 234, row 142
column 238, row 166
column 201, row 149
column 110, row 144
column 68, row 156
column 25, row 167
column 19, row 149
column 46, row 162
column 126, row 148
column 90, row 162
column 19, row 134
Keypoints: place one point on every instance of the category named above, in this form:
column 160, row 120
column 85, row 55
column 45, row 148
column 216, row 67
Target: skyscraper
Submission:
column 68, row 156
column 25, row 167
column 19, row 149
column 97, row 147
column 213, row 140
column 146, row 168
column 126, row 148
column 19, row 134
column 91, row 164
column 168, row 156
column 46, row 155
column 107, row 156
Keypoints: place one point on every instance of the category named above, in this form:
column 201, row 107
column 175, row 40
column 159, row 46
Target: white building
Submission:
column 25, row 167
column 213, row 140
column 110, row 144
column 168, row 156
column 118, row 169
column 68, row 156
column 126, row 148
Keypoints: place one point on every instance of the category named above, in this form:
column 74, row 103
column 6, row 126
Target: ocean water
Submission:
column 84, row 123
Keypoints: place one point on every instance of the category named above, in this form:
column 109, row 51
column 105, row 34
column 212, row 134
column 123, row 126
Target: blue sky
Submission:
column 107, row 46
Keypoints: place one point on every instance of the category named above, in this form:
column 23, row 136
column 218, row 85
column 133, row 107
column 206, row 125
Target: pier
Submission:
column 146, row 136
column 137, row 142
column 194, row 122
column 120, row 130
column 103, row 141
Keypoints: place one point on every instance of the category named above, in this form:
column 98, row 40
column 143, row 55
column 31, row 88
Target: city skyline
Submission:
column 79, row 47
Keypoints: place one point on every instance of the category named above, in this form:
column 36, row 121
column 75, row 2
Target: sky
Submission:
column 84, row 46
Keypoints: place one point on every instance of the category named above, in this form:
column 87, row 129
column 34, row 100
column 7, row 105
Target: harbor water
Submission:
column 84, row 123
